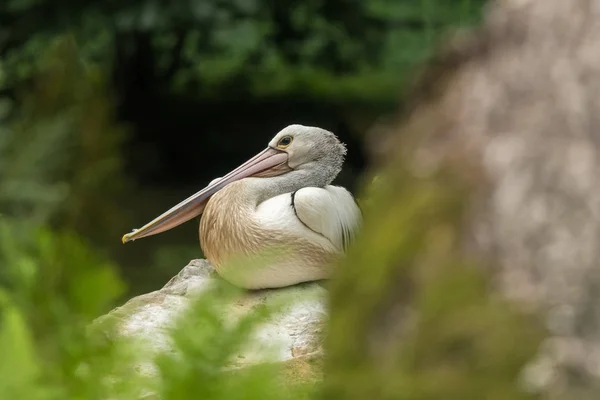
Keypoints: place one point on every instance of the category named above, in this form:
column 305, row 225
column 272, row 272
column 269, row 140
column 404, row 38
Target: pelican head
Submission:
column 297, row 155
column 311, row 149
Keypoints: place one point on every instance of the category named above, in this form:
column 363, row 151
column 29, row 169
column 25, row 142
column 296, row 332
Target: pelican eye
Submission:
column 284, row 142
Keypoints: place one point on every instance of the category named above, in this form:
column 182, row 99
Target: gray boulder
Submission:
column 294, row 333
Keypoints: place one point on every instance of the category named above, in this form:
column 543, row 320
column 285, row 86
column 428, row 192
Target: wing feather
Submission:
column 330, row 211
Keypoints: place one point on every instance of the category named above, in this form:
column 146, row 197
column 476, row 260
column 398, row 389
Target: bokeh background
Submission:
column 113, row 111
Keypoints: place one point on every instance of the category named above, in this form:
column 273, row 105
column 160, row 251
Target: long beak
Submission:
column 269, row 162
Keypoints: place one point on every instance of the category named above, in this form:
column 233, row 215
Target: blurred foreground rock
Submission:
column 291, row 336
column 515, row 107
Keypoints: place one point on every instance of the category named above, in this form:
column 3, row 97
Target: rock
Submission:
column 291, row 336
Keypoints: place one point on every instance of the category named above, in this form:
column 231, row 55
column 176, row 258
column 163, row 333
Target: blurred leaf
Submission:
column 18, row 365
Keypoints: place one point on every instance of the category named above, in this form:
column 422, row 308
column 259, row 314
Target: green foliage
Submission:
column 52, row 285
column 51, row 282
column 266, row 46
column 59, row 151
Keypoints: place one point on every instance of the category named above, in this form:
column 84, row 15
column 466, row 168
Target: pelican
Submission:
column 281, row 199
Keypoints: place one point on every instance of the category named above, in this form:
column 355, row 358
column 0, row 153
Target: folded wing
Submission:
column 330, row 211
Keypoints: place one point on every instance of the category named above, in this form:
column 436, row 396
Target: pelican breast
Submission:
column 264, row 245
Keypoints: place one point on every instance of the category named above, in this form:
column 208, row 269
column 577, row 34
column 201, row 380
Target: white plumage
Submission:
column 328, row 216
column 330, row 211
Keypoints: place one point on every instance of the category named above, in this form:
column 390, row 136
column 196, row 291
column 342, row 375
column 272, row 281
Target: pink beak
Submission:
column 269, row 162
